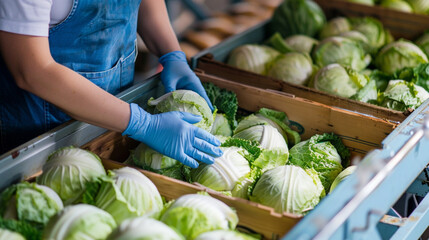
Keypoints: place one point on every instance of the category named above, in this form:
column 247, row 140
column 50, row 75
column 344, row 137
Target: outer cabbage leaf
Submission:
column 342, row 176
column 29, row 202
column 194, row 214
column 221, row 126
column 398, row 5
column 288, row 189
column 373, row 29
column 79, row 222
column 184, row 101
column 401, row 95
column 335, row 27
column 326, row 154
column 125, row 193
column 143, row 228
column 68, row 169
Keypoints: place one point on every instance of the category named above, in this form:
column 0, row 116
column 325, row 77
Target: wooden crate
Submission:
column 360, row 134
column 253, row 217
column 401, row 24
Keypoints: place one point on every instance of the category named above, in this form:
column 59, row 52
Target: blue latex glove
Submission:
column 178, row 75
column 173, row 135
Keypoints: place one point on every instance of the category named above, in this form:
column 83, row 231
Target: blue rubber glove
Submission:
column 173, row 135
column 178, row 75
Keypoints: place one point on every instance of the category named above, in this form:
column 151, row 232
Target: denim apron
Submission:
column 97, row 40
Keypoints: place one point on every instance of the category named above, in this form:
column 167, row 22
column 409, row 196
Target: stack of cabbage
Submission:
column 257, row 163
column 124, row 204
column 354, row 57
column 410, row 6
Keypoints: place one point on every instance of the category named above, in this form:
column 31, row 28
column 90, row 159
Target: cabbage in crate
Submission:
column 335, row 27
column 68, row 169
column 401, row 95
column 301, row 43
column 252, row 58
column 293, row 67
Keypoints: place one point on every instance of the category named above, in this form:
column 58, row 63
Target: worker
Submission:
column 63, row 59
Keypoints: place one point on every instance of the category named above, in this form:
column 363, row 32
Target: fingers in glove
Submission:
column 204, row 135
column 206, row 147
column 200, row 156
column 189, row 117
column 188, row 161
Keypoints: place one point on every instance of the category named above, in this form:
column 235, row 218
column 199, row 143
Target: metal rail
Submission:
column 342, row 216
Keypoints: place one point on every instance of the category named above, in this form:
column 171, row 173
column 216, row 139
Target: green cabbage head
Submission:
column 68, row 169
column 293, row 67
column 341, row 50
column 252, row 58
column 342, row 176
column 142, row 228
column 9, row 235
column 221, row 126
column 29, row 202
column 125, row 193
column 340, row 81
column 288, row 189
column 194, row 214
column 420, row 6
column 399, row 5
column 335, row 27
column 184, row 101
column 301, row 43
column 373, row 29
column 401, row 95
column 79, row 222
column 398, row 55
column 326, row 154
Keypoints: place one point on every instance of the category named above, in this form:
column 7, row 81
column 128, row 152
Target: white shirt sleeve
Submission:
column 28, row 17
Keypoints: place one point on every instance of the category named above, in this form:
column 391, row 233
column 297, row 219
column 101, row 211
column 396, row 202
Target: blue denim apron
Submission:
column 97, row 40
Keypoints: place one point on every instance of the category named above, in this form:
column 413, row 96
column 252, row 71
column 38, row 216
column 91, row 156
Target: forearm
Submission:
column 155, row 29
column 77, row 96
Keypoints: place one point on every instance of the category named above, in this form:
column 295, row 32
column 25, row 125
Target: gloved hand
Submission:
column 178, row 75
column 173, row 135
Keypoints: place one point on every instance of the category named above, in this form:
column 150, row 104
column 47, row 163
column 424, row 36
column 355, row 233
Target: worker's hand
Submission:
column 178, row 75
column 173, row 135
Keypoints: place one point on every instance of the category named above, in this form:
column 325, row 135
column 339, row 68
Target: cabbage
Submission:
column 268, row 137
column 366, row 2
column 341, row 50
column 221, row 126
column 368, row 93
column 194, row 214
column 184, row 101
column 340, row 81
column 288, row 189
column 225, row 235
column 399, row 5
column 79, row 222
column 225, row 172
column 335, row 27
column 420, row 6
column 125, row 193
column 297, row 17
column 144, row 228
column 401, row 95
column 373, row 29
column 301, row 43
column 9, row 235
column 151, row 160
column 423, row 43
column 29, row 202
column 325, row 153
column 398, row 55
column 253, row 58
column 293, row 68
column 342, row 176
column 360, row 38
column 68, row 169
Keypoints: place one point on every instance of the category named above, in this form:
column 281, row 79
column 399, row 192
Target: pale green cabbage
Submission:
column 126, row 193
column 294, row 67
column 184, row 101
column 340, row 81
column 366, row 2
column 420, row 6
column 373, row 29
column 401, row 95
column 79, row 222
column 143, row 228
column 221, row 126
column 68, row 169
column 301, row 43
column 399, row 5
column 9, row 235
column 29, row 202
column 398, row 55
column 288, row 189
column 225, row 235
column 268, row 137
column 335, row 27
column 253, row 58
column 342, row 176
column 341, row 50
column 194, row 214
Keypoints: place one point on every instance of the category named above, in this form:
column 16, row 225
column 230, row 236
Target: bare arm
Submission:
column 34, row 70
column 155, row 29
